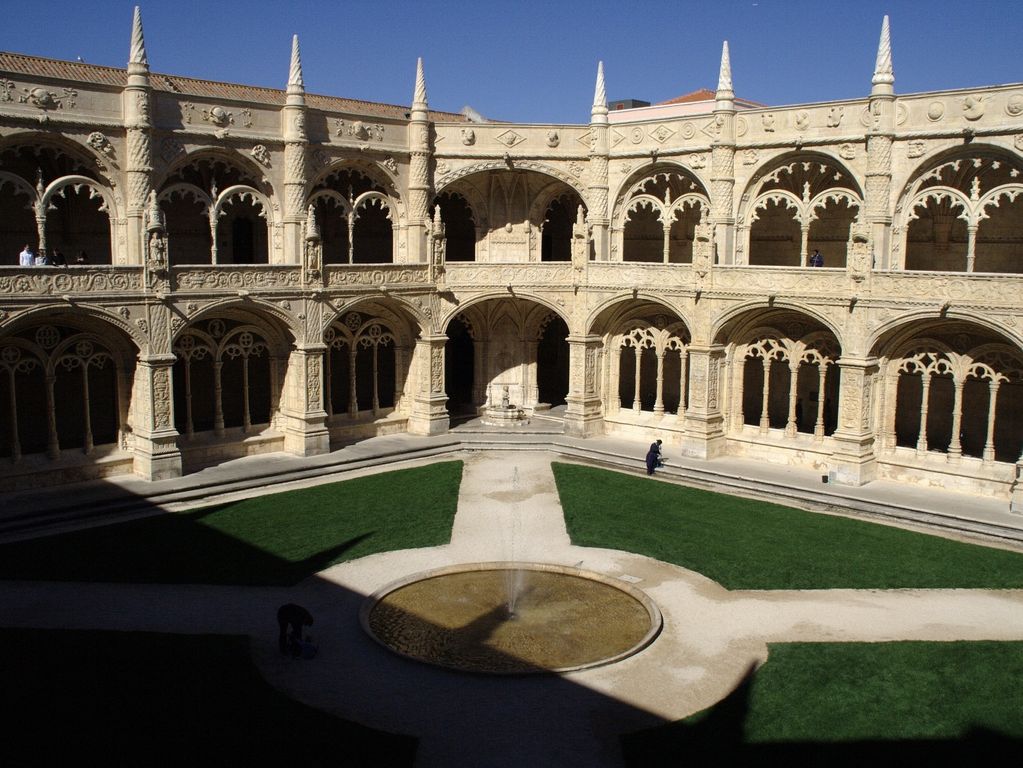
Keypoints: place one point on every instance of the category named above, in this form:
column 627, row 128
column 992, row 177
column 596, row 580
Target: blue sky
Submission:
column 534, row 61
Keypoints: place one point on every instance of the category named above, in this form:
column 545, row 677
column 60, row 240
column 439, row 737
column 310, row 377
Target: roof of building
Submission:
column 78, row 71
column 701, row 95
column 704, row 94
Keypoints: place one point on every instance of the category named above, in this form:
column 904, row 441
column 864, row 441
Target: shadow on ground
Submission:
column 718, row 737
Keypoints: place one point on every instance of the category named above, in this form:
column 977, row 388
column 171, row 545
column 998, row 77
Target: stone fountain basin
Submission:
column 564, row 618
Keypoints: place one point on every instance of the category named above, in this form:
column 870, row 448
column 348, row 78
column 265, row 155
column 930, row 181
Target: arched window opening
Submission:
column 459, row 227
column 459, row 367
column 1000, row 237
column 937, row 238
column 222, row 378
column 17, row 220
column 775, row 235
column 552, row 362
column 362, row 237
column 644, row 235
column 829, row 230
column 186, row 197
column 188, row 218
column 556, row 242
column 70, row 382
column 333, row 219
column 658, row 216
column 361, row 366
column 372, row 235
column 241, row 234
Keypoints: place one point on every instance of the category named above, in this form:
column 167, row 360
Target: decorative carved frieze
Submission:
column 248, row 277
column 43, row 282
column 376, row 274
column 539, row 275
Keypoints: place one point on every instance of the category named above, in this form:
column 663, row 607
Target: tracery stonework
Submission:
column 342, row 289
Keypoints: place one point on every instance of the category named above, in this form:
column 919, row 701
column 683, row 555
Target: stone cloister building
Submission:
column 275, row 270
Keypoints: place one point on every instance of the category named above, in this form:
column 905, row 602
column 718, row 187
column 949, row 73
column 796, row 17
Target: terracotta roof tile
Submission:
column 701, row 95
column 19, row 63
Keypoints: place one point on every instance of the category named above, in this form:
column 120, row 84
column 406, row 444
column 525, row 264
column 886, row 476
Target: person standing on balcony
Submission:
column 27, row 257
column 816, row 260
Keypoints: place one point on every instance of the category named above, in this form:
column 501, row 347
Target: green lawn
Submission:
column 276, row 539
column 141, row 699
column 908, row 703
column 748, row 544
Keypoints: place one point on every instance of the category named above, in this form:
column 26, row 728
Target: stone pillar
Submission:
column 139, row 157
column 305, row 422
column 429, row 405
column 599, row 215
column 880, row 137
column 296, row 142
column 583, row 415
column 722, row 158
column 704, row 436
column 1016, row 499
column 419, row 185
column 155, row 443
column 853, row 461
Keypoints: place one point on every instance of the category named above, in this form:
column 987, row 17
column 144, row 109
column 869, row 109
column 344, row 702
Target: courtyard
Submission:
column 879, row 642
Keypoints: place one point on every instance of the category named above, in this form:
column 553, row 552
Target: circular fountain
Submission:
column 505, row 414
column 512, row 618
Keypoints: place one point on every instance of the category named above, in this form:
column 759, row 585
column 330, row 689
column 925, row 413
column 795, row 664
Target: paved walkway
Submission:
column 508, row 509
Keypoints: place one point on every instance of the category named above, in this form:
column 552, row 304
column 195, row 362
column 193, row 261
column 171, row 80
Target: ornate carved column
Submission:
column 853, row 461
column 155, row 444
column 722, row 157
column 139, row 159
column 583, row 415
column 419, row 184
column 880, row 137
column 600, row 152
column 704, row 436
column 765, row 416
column 296, row 143
column 429, row 405
column 304, row 423
column 791, row 427
column 637, row 401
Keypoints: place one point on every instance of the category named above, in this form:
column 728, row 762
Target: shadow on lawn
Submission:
column 151, row 698
column 718, row 738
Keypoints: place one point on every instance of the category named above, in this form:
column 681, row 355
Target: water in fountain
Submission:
column 514, row 578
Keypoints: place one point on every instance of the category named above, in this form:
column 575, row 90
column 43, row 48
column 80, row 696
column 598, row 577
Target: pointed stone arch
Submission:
column 797, row 203
column 961, row 211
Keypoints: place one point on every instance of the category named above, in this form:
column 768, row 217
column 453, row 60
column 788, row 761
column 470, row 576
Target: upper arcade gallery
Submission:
column 276, row 270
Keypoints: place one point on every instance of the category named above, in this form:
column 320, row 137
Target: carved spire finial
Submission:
column 437, row 221
column 419, row 96
column 725, row 75
column 138, row 42
column 154, row 215
column 884, row 75
column 295, row 74
column 600, row 92
column 312, row 227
